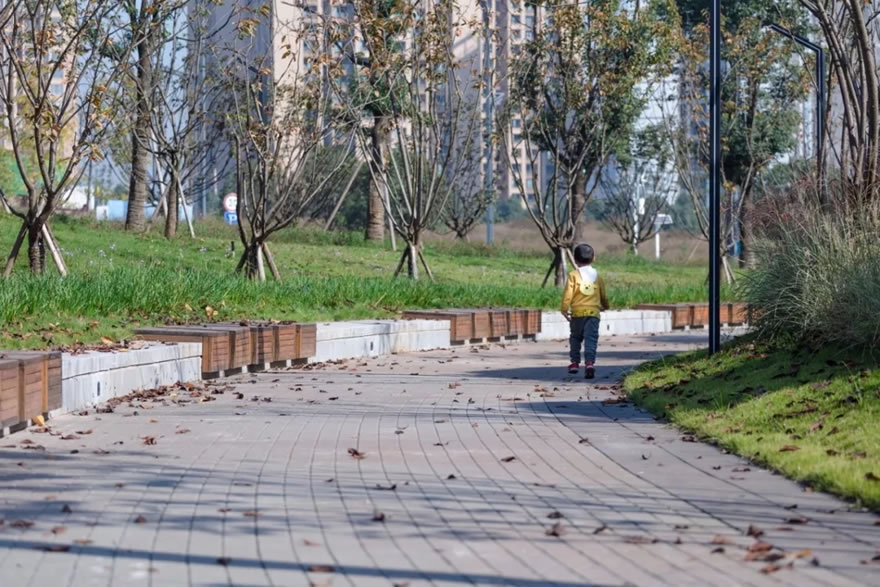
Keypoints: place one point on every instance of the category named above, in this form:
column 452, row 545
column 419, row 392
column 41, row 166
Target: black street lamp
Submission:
column 715, row 181
column 820, row 96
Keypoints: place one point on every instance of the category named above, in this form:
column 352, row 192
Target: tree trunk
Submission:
column 412, row 261
column 253, row 261
column 140, row 135
column 579, row 206
column 747, row 229
column 35, row 254
column 171, row 208
column 560, row 265
column 376, row 201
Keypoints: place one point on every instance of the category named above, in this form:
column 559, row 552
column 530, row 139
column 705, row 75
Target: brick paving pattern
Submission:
column 479, row 466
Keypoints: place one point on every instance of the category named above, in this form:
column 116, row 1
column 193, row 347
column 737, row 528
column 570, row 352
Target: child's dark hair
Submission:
column 584, row 254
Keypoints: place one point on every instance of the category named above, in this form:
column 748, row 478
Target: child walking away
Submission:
column 582, row 301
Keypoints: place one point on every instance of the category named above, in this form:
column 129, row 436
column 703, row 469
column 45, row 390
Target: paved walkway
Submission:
column 464, row 466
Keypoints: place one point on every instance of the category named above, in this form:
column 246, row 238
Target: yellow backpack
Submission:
column 587, row 289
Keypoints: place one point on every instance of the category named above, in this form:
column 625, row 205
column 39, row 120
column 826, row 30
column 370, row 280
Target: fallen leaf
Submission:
column 722, row 540
column 59, row 530
column 789, row 448
column 689, row 438
column 223, row 560
column 799, row 520
column 718, row 550
column 450, row 477
column 378, row 516
column 771, row 568
column 250, row 514
column 600, row 529
column 760, row 547
column 356, row 454
column 83, row 541
column 140, row 520
column 555, row 515
column 308, row 542
column 640, row 540
column 754, row 532
column 66, row 509
column 149, row 440
column 21, row 524
column 56, row 548
column 84, row 432
column 183, row 431
column 70, row 437
column 321, row 569
column 555, row 530
column 224, row 510
column 508, row 459
column 392, row 487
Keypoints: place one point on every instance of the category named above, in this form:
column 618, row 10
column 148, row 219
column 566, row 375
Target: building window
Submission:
column 514, row 19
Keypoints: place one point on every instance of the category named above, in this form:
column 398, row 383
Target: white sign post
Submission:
column 661, row 220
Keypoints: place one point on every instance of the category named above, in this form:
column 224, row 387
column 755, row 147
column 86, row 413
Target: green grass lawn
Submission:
column 814, row 416
column 119, row 281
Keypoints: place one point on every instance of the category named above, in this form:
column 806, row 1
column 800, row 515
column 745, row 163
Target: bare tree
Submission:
column 184, row 124
column 639, row 187
column 54, row 91
column 279, row 119
column 576, row 90
column 466, row 209
column 851, row 30
column 434, row 114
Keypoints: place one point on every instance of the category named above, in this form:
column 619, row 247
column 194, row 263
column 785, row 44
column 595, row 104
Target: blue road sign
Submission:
column 230, row 217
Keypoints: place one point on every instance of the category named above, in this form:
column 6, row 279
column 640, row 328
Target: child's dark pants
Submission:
column 584, row 331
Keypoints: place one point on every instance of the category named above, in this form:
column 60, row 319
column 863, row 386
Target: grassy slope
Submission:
column 814, row 416
column 119, row 281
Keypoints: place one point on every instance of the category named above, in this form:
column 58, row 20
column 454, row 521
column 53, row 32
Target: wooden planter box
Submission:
column 532, row 322
column 239, row 343
column 306, row 341
column 215, row 343
column 261, row 344
column 39, row 381
column 284, row 336
column 481, row 327
column 498, row 326
column 10, row 382
column 739, row 314
column 460, row 323
column 515, row 322
column 699, row 315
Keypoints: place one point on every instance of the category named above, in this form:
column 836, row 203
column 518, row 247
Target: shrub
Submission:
column 818, row 277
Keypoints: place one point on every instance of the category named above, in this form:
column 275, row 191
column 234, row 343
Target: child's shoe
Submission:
column 590, row 372
column 574, row 368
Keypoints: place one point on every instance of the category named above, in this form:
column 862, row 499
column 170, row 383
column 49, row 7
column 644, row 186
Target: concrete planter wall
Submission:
column 94, row 377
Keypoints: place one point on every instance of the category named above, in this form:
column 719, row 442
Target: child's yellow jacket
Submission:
column 583, row 298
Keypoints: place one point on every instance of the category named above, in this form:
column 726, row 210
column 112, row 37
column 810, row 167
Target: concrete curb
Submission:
column 372, row 338
column 613, row 323
column 94, row 377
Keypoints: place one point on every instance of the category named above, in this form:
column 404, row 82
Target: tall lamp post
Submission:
column 715, row 181
column 820, row 98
